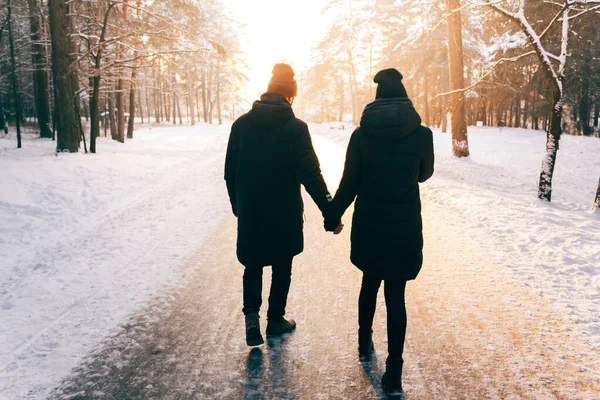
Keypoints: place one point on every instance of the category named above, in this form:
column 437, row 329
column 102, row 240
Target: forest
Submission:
column 79, row 69
column 112, row 63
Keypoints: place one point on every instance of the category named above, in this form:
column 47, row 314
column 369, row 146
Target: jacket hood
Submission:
column 390, row 117
column 271, row 110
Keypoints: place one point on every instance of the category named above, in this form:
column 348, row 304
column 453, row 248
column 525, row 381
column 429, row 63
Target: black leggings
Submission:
column 280, row 287
column 396, row 311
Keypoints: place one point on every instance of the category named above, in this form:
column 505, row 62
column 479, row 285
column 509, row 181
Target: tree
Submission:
column 68, row 133
column 553, row 66
column 14, row 81
column 40, row 79
column 97, row 59
column 131, row 121
column 3, row 126
column 460, row 143
column 596, row 205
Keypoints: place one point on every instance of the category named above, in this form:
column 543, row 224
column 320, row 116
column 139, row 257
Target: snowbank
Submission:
column 86, row 240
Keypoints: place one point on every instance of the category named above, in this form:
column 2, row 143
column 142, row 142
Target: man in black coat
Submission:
column 269, row 155
column 387, row 157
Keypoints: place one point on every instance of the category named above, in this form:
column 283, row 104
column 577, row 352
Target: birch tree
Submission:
column 552, row 64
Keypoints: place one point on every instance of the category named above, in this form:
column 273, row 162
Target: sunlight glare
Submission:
column 277, row 31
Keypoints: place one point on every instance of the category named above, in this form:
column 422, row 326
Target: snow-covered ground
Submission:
column 552, row 247
column 88, row 240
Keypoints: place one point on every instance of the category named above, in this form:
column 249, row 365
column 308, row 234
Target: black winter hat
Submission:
column 282, row 82
column 389, row 84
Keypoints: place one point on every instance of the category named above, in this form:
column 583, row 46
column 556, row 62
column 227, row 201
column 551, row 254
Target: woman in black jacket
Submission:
column 387, row 157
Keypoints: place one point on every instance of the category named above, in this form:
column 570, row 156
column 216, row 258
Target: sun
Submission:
column 277, row 31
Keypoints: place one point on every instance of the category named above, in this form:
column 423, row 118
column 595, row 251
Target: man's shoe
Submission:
column 365, row 345
column 392, row 379
column 280, row 327
column 253, row 335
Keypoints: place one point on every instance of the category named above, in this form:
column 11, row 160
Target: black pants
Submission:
column 396, row 311
column 280, row 287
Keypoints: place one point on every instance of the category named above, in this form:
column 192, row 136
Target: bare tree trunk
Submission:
column 2, row 118
column 553, row 137
column 584, row 113
column 114, row 134
column 219, row 116
column 445, row 88
column 204, row 102
column 74, row 50
column 139, row 104
column 40, row 79
column 148, row 109
column 62, row 72
column 94, row 111
column 191, row 104
column 174, row 109
column 167, row 109
column 105, row 118
column 460, row 143
column 132, row 104
column 342, row 97
column 596, row 205
column 517, row 123
column 426, row 99
column 178, row 110
column 197, row 110
column 155, row 98
column 120, row 108
column 94, row 106
column 14, row 81
column 353, row 88
column 209, row 95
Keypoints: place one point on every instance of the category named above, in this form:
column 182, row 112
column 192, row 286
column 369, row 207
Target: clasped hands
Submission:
column 334, row 226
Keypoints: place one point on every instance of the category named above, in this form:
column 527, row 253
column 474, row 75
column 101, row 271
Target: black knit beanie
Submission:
column 389, row 84
column 282, row 82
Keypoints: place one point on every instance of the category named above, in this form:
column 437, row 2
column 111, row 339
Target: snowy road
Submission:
column 474, row 331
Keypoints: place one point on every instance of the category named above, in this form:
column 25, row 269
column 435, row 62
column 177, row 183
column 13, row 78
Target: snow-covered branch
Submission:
column 484, row 76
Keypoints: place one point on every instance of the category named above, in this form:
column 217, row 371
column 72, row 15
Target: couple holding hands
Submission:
column 270, row 155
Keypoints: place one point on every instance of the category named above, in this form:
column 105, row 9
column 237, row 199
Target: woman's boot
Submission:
column 365, row 345
column 392, row 379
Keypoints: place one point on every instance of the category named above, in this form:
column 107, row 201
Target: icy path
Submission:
column 474, row 332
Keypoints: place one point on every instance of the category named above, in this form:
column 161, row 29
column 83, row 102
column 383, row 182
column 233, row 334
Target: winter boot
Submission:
column 253, row 335
column 280, row 326
column 365, row 345
column 392, row 379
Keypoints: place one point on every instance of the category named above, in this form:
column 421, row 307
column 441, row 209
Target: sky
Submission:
column 277, row 31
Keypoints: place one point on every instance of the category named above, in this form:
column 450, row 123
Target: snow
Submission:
column 554, row 248
column 87, row 241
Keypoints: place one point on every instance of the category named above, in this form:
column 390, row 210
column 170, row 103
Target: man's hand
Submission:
column 339, row 229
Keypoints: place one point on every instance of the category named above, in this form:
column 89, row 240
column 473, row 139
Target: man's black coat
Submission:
column 387, row 157
column 269, row 155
